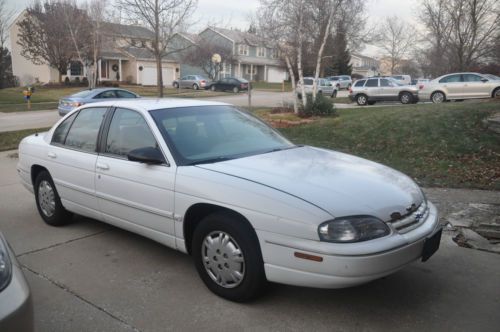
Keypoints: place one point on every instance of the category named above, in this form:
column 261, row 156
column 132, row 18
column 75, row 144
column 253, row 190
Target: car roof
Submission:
column 148, row 104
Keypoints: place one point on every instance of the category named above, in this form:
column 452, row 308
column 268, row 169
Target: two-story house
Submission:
column 123, row 57
column 252, row 58
column 364, row 65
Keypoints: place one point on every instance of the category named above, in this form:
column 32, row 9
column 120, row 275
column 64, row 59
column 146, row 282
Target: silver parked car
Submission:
column 341, row 82
column 460, row 86
column 16, row 308
column 369, row 91
column 191, row 81
column 69, row 103
column 324, row 87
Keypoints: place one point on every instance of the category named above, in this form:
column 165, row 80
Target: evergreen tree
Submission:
column 339, row 63
column 6, row 77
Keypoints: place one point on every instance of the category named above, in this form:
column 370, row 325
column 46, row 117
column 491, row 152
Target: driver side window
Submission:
column 128, row 131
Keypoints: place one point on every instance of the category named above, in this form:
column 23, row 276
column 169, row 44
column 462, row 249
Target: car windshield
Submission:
column 492, row 77
column 208, row 134
column 83, row 94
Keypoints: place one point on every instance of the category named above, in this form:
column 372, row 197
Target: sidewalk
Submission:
column 27, row 120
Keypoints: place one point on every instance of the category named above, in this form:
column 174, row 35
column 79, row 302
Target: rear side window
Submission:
column 372, row 83
column 83, row 132
column 384, row 82
column 124, row 94
column 308, row 81
column 472, row 78
column 62, row 130
column 106, row 94
column 128, row 131
column 359, row 83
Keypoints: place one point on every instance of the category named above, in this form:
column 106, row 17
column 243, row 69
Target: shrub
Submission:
column 85, row 81
column 322, row 106
column 67, row 81
column 77, row 80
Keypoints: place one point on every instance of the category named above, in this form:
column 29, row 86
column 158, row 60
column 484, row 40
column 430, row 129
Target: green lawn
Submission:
column 271, row 86
column 10, row 140
column 438, row 145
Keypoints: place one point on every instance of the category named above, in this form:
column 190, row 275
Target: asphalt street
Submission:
column 89, row 276
column 41, row 119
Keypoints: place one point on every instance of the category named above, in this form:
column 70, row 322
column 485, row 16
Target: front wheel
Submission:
column 176, row 85
column 496, row 93
column 48, row 201
column 362, row 100
column 236, row 90
column 438, row 97
column 195, row 87
column 227, row 256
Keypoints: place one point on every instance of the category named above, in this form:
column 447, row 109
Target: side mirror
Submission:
column 484, row 80
column 147, row 155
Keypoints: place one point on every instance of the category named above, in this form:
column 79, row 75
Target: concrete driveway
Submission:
column 40, row 119
column 89, row 276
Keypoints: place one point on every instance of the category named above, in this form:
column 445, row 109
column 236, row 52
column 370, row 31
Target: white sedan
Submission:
column 219, row 184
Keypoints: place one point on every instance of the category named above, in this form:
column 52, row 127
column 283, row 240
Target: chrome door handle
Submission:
column 103, row 167
column 51, row 155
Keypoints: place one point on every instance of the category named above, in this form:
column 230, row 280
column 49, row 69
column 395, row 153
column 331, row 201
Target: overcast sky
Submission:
column 236, row 13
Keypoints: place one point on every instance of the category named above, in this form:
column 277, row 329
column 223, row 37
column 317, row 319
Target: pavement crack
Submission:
column 66, row 289
column 61, row 243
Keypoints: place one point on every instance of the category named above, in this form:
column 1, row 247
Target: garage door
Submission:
column 149, row 76
column 276, row 75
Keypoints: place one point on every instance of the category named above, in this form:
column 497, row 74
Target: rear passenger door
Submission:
column 133, row 195
column 372, row 89
column 474, row 87
column 72, row 156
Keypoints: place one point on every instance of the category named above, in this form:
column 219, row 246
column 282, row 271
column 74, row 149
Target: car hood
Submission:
column 337, row 183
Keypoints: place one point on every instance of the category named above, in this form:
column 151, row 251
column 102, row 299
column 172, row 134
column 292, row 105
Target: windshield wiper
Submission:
column 285, row 148
column 209, row 160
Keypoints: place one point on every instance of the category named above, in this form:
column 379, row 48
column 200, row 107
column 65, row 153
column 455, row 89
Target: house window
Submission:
column 243, row 49
column 76, row 69
column 253, row 72
column 261, row 51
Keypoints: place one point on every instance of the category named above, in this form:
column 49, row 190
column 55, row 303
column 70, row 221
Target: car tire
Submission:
column 236, row 90
column 213, row 88
column 349, row 86
column 176, row 85
column 438, row 97
column 362, row 99
column 195, row 87
column 496, row 93
column 239, row 279
column 405, row 98
column 48, row 201
column 334, row 94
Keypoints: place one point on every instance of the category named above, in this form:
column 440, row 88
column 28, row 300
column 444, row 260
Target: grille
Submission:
column 411, row 221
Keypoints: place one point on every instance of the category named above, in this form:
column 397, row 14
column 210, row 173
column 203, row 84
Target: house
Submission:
column 252, row 57
column 364, row 65
column 123, row 57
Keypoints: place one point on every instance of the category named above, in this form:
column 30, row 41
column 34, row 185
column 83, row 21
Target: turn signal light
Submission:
column 308, row 256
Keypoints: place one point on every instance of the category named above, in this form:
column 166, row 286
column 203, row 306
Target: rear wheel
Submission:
column 48, row 201
column 212, row 88
column 361, row 99
column 348, row 86
column 195, row 86
column 176, row 85
column 236, row 90
column 496, row 93
column 438, row 97
column 406, row 98
column 227, row 256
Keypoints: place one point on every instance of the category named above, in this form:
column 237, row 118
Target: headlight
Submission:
column 352, row 229
column 5, row 265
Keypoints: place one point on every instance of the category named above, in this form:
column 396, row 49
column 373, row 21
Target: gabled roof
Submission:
column 141, row 53
column 240, row 37
column 122, row 30
column 191, row 37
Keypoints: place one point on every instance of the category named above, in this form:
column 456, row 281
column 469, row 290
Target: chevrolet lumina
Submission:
column 217, row 183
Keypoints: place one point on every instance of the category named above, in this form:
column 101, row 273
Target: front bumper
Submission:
column 16, row 307
column 341, row 268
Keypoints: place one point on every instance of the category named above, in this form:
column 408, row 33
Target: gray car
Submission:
column 191, row 81
column 369, row 91
column 69, row 103
column 323, row 86
column 341, row 81
column 16, row 308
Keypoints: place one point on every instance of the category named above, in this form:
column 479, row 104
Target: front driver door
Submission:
column 134, row 195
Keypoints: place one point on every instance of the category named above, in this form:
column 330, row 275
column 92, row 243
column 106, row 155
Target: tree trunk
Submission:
column 320, row 52
column 159, row 76
column 294, row 85
column 299, row 59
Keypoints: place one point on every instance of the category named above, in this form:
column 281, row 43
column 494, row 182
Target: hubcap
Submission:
column 497, row 94
column 46, row 198
column 438, row 97
column 405, row 99
column 223, row 259
column 362, row 100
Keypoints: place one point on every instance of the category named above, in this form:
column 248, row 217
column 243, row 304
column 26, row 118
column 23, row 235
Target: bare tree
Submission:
column 42, row 39
column 96, row 10
column 396, row 40
column 200, row 55
column 6, row 77
column 164, row 18
column 5, row 16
